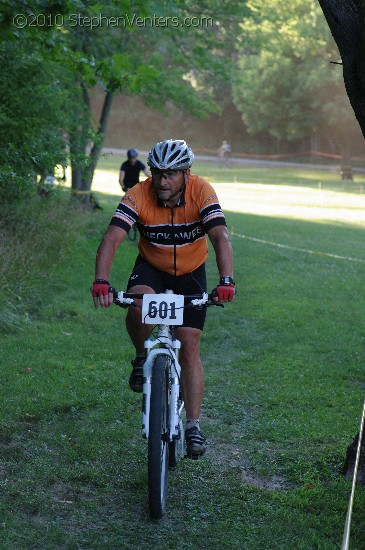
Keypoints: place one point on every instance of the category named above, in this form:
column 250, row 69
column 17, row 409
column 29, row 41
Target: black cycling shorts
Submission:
column 191, row 283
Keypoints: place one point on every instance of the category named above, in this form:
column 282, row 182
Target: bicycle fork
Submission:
column 174, row 412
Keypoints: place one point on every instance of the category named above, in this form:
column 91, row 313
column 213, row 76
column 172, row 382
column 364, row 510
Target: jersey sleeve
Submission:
column 126, row 213
column 210, row 210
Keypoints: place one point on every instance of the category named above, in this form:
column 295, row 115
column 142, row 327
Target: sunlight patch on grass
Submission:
column 293, row 202
column 274, row 195
column 106, row 181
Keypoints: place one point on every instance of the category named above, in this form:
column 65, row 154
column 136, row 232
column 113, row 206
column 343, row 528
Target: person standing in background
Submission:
column 130, row 170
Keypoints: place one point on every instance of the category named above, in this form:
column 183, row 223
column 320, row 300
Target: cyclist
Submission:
column 173, row 210
column 224, row 153
column 130, row 169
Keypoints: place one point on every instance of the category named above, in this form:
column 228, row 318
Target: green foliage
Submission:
column 33, row 238
column 32, row 115
column 66, row 48
column 285, row 84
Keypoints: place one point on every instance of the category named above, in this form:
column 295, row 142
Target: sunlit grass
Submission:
column 276, row 192
column 293, row 202
column 241, row 173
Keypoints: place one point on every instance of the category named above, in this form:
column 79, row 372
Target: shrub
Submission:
column 35, row 235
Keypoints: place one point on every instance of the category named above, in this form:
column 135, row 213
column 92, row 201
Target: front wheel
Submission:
column 158, row 439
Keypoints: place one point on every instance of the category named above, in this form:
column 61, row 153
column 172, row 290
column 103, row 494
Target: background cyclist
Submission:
column 224, row 153
column 130, row 170
column 174, row 211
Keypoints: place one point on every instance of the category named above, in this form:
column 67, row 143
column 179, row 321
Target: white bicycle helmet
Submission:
column 172, row 154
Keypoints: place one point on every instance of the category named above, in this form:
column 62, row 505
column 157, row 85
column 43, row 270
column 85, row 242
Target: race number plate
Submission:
column 166, row 309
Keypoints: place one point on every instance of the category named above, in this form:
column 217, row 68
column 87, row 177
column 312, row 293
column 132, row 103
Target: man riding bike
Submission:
column 130, row 170
column 174, row 210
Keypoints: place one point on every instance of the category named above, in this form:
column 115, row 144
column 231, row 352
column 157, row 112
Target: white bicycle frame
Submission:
column 172, row 352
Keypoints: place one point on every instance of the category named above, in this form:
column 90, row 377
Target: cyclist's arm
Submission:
column 121, row 177
column 113, row 237
column 219, row 238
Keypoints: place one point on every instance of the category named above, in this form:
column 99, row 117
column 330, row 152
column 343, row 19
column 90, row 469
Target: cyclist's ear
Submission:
column 186, row 175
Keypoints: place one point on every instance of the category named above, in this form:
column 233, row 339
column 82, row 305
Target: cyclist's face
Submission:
column 168, row 183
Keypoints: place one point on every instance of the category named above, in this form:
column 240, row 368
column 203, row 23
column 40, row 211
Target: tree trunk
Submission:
column 78, row 144
column 82, row 176
column 77, row 148
column 96, row 149
column 346, row 21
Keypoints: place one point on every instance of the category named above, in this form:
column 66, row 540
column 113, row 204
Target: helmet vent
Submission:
column 171, row 155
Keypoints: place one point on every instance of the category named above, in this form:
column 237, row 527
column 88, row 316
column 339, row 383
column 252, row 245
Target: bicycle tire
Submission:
column 158, row 438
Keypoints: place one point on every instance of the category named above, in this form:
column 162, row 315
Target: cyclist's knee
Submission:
column 134, row 313
column 190, row 341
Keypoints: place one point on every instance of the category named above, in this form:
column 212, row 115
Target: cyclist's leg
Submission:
column 192, row 382
column 192, row 374
column 138, row 332
column 144, row 279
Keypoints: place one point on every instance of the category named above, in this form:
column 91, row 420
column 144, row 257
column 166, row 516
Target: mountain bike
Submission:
column 162, row 402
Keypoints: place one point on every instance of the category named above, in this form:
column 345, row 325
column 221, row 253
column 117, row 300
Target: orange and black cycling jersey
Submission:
column 171, row 239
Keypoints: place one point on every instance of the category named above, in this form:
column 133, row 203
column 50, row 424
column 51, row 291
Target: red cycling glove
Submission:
column 225, row 293
column 225, row 290
column 100, row 287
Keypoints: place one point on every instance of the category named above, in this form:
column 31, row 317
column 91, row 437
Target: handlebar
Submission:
column 126, row 299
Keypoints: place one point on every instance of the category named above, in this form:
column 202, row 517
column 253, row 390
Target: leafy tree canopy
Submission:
column 177, row 51
column 286, row 84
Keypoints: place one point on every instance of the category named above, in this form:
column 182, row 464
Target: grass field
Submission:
column 284, row 384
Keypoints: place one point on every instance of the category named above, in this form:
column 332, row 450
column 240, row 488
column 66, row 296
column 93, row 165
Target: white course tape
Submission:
column 306, row 250
column 346, row 533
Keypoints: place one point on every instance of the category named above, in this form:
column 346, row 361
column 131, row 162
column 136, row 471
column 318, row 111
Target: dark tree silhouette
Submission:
column 346, row 21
